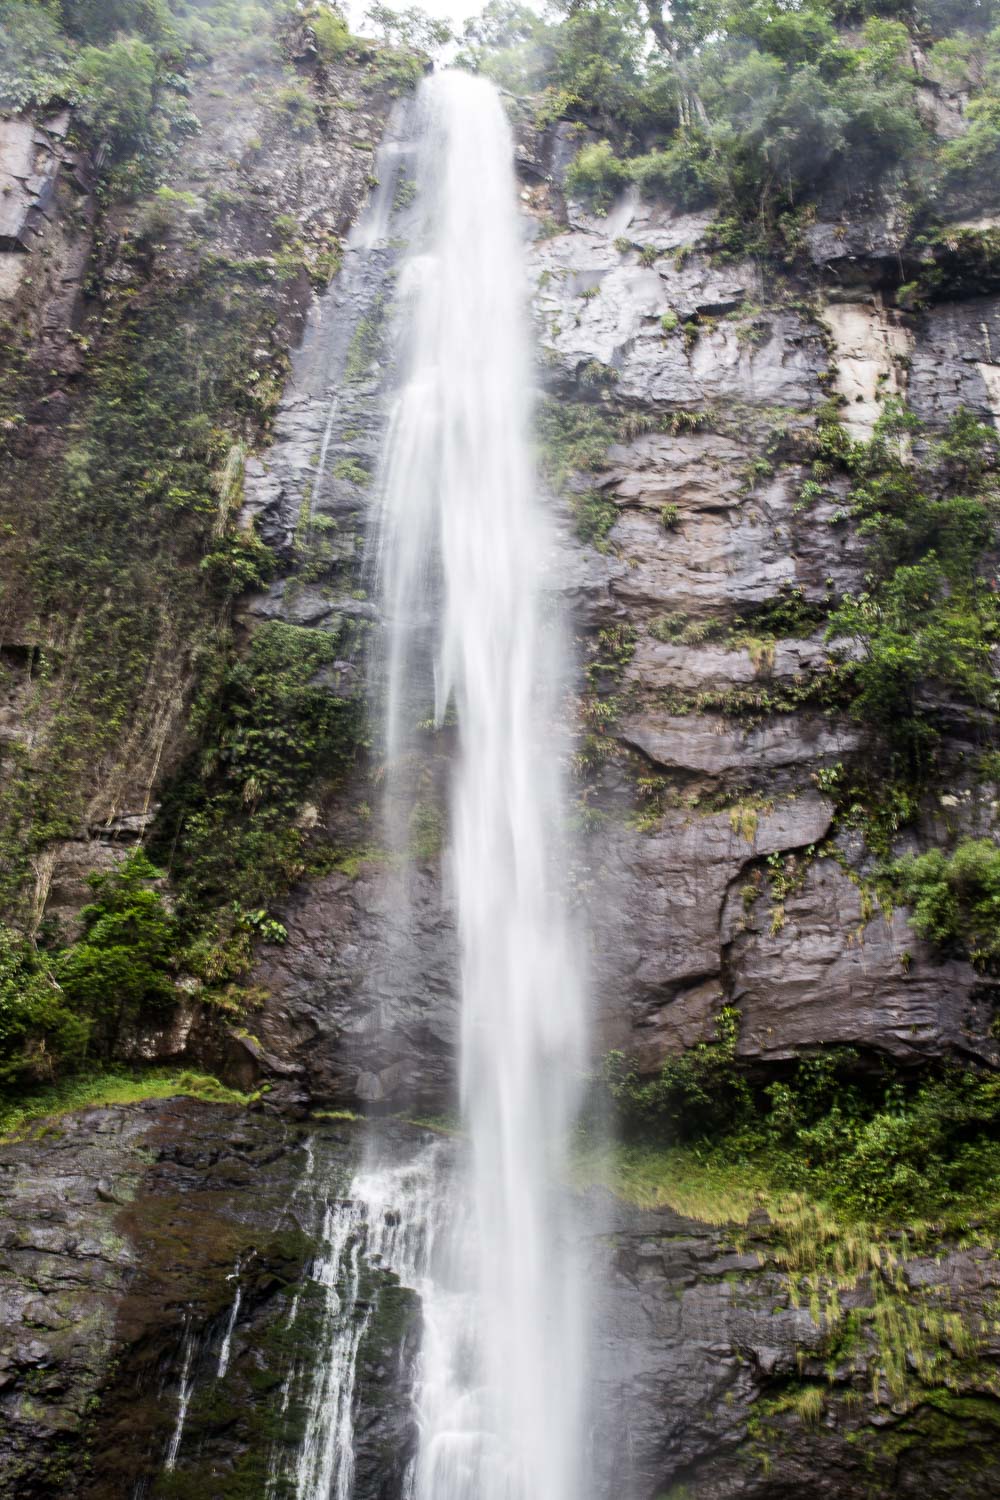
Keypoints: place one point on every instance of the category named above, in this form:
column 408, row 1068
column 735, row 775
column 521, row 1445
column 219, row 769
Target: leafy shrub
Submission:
column 681, row 173
column 101, row 20
column 970, row 164
column 34, row 56
column 871, row 1142
column 332, row 33
column 119, row 969
column 39, row 1032
column 701, row 1091
column 59, row 1005
column 956, row 898
column 597, row 175
column 114, row 87
column 297, row 108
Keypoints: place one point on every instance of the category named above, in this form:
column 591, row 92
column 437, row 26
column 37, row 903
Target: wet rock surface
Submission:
column 714, row 526
column 128, row 1233
column 129, row 1230
column 707, row 1344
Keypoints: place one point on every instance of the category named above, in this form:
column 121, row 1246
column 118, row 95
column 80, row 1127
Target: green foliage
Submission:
column 34, row 56
column 117, row 64
column 956, row 899
column 786, row 613
column 758, row 108
column 679, row 173
column 332, row 33
column 59, row 1005
column 119, row 969
column 969, row 163
column 102, row 20
column 115, row 87
column 39, row 1032
column 297, row 108
column 594, row 516
column 596, row 175
column 873, row 1144
column 574, row 437
column 268, row 730
column 694, row 1093
column 927, row 621
column 412, row 29
column 594, row 60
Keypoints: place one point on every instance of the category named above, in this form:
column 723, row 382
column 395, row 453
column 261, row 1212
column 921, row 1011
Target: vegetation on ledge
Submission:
column 110, row 1086
column 758, row 110
column 870, row 1141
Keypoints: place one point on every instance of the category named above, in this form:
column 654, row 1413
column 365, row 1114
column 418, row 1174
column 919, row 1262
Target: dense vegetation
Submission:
column 756, row 108
column 872, row 1143
column 927, row 621
column 122, row 544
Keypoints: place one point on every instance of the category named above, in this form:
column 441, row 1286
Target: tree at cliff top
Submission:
column 757, row 108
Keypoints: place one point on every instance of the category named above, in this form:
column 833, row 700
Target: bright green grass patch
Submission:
column 118, row 1086
column 675, row 1177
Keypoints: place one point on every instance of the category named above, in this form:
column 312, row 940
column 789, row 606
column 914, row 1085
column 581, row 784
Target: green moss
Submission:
column 594, row 516
column 129, row 549
column 267, row 731
column 112, row 1087
column 365, row 348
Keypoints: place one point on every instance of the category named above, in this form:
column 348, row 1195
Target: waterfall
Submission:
column 464, row 546
column 480, row 1227
column 184, row 1390
column 227, row 1337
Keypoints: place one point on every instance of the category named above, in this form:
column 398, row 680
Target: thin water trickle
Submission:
column 227, row 1338
column 183, row 1397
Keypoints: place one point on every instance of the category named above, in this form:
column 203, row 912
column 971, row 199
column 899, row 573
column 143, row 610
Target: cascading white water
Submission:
column 463, row 550
column 480, row 1228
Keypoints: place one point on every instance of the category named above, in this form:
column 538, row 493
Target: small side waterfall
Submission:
column 184, row 1390
column 481, row 1228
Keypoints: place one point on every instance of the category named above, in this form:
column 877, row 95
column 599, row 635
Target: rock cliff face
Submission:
column 225, row 254
column 710, row 754
column 129, row 1235
column 130, row 1231
column 706, row 762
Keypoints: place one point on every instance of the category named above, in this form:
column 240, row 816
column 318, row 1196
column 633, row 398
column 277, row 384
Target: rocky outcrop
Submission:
column 724, row 1375
column 251, row 193
column 709, row 872
column 348, row 1018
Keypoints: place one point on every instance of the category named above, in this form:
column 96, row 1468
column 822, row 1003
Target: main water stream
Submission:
column 481, row 1229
